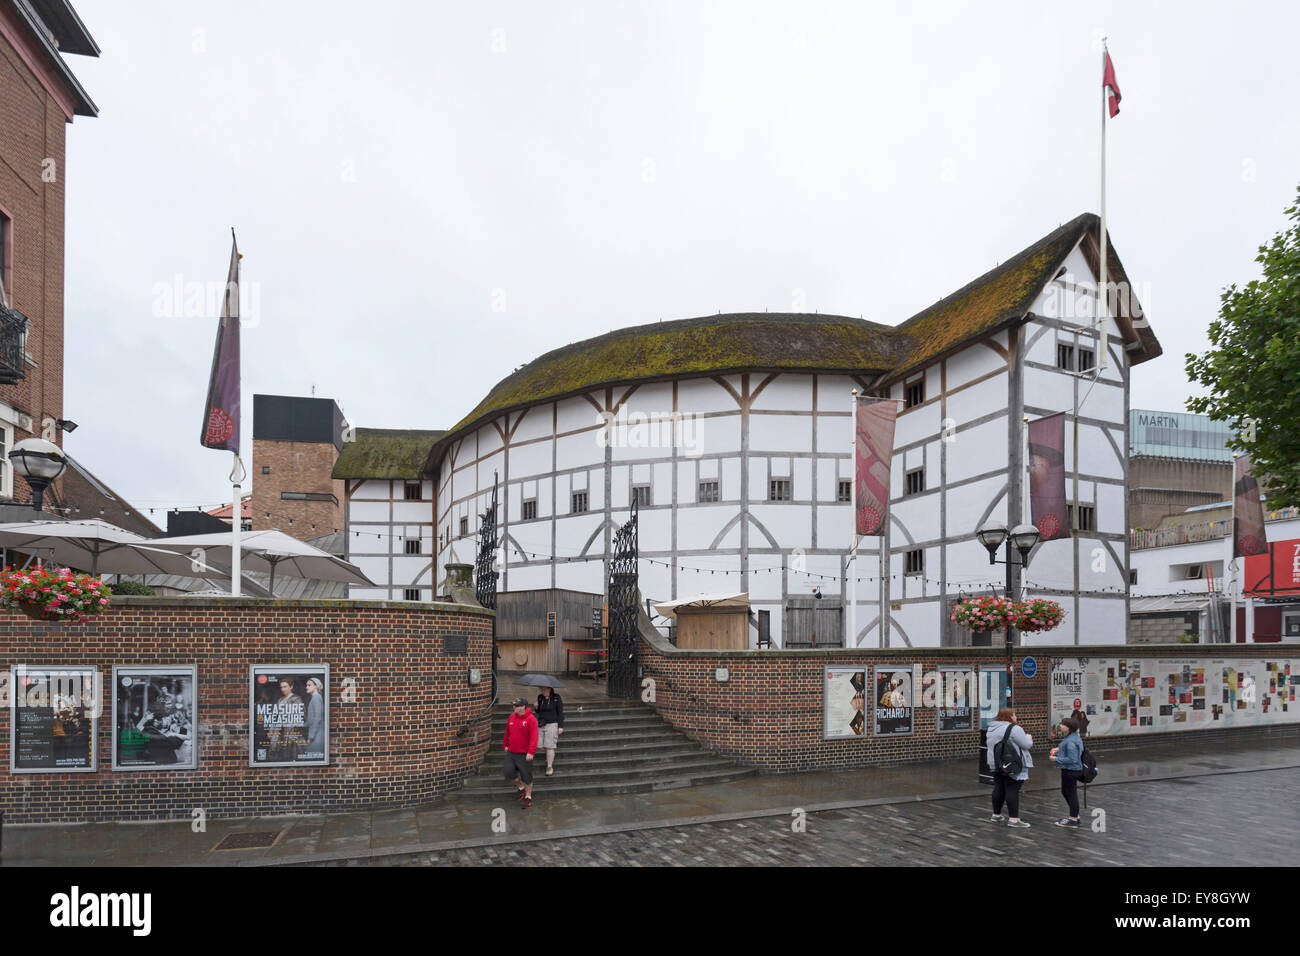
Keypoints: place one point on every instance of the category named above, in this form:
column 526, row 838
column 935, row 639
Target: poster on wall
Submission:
column 154, row 718
column 894, row 701
column 992, row 688
column 1065, row 693
column 53, row 719
column 956, row 707
column 289, row 715
column 844, row 703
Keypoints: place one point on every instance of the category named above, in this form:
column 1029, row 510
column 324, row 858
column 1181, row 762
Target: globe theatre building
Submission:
column 734, row 434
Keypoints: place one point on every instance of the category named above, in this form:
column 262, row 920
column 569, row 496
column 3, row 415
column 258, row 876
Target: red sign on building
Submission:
column 1276, row 572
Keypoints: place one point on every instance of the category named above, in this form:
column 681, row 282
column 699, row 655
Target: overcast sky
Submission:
column 429, row 195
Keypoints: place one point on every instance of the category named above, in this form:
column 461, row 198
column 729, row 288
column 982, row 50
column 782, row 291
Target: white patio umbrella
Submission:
column 265, row 551
column 104, row 548
column 669, row 609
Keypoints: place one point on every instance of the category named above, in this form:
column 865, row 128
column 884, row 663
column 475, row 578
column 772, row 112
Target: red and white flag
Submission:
column 1109, row 84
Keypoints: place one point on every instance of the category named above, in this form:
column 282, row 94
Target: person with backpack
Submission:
column 1010, row 760
column 1069, row 760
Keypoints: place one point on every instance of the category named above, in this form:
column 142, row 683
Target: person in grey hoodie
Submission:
column 1007, row 789
column 1069, row 760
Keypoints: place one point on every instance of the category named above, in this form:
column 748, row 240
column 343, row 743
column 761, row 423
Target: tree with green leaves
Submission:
column 1252, row 369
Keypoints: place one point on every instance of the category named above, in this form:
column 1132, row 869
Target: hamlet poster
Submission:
column 289, row 716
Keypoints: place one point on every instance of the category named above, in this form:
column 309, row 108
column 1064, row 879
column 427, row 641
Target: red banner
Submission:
column 1275, row 572
column 1047, row 477
column 1247, row 513
column 875, row 453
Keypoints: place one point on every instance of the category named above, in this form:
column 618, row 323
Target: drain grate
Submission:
column 255, row 840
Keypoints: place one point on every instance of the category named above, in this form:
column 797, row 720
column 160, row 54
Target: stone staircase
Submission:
column 608, row 746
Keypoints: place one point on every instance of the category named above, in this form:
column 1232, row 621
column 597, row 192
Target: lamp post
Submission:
column 1022, row 538
column 40, row 462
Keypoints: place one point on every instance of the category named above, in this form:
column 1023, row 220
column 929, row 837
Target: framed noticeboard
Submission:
column 288, row 715
column 53, row 719
column 955, row 704
column 991, row 687
column 844, row 703
column 895, row 700
column 155, row 717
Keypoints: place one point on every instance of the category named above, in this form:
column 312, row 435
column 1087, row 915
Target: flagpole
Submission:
column 236, row 520
column 1102, row 298
column 852, row 639
column 1230, row 572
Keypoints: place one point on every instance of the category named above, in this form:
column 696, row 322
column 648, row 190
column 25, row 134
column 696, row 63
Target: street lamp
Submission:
column 40, row 462
column 1022, row 538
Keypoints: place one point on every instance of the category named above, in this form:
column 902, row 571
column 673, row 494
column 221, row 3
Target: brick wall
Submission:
column 769, row 713
column 297, row 467
column 33, row 127
column 416, row 728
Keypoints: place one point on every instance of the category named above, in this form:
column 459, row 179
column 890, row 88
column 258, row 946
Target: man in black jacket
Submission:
column 550, row 724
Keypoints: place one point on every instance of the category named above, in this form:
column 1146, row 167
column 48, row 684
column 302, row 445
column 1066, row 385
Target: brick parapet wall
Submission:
column 415, row 730
column 768, row 714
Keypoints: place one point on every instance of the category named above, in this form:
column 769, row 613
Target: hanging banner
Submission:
column 154, row 718
column 894, row 701
column 956, row 710
column 1277, row 571
column 1047, row 477
column 53, row 719
column 289, row 716
column 221, row 411
column 1247, row 512
column 844, row 703
column 875, row 453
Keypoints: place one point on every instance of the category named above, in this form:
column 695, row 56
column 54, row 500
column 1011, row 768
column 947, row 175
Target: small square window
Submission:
column 708, row 491
column 1065, row 357
column 579, row 502
column 411, row 594
column 412, row 545
column 1132, row 576
column 1195, row 572
column 778, row 489
column 845, row 490
column 414, row 491
column 641, row 494
column 914, row 393
column 914, row 482
column 464, row 527
column 266, row 469
column 1087, row 359
column 529, row 509
column 1087, row 518
column 915, row 562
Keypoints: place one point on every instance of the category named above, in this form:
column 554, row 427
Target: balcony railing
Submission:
column 13, row 345
column 1205, row 531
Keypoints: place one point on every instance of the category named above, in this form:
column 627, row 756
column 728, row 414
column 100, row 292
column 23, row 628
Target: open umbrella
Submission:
column 539, row 680
column 104, row 548
column 271, row 551
column 669, row 609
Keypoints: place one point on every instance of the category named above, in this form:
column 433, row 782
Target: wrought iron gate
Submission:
column 624, row 596
column 485, row 571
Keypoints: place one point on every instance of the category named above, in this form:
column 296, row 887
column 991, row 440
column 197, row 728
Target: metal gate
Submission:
column 624, row 596
column 485, row 571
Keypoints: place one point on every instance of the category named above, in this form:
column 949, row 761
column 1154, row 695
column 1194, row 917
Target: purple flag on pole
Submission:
column 875, row 452
column 221, row 413
column 1047, row 477
column 1248, row 512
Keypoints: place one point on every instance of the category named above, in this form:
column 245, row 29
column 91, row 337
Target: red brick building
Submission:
column 39, row 97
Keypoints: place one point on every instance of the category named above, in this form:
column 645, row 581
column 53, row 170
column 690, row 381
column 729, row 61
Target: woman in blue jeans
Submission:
column 1069, row 760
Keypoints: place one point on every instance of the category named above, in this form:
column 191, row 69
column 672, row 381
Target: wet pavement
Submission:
column 402, row 835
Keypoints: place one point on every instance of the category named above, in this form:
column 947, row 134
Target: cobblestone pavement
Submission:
column 1242, row 819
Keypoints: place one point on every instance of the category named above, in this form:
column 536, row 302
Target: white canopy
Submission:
column 102, row 547
column 268, row 550
column 669, row 609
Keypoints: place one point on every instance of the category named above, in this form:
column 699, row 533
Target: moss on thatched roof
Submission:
column 711, row 345
column 385, row 453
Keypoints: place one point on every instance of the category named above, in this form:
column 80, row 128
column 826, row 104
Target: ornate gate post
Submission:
column 624, row 596
column 485, row 572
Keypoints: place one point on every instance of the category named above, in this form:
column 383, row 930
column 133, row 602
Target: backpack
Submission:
column 1089, row 766
column 1007, row 759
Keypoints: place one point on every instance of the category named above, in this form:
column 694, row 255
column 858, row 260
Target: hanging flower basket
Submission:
column 986, row 614
column 1039, row 614
column 53, row 594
